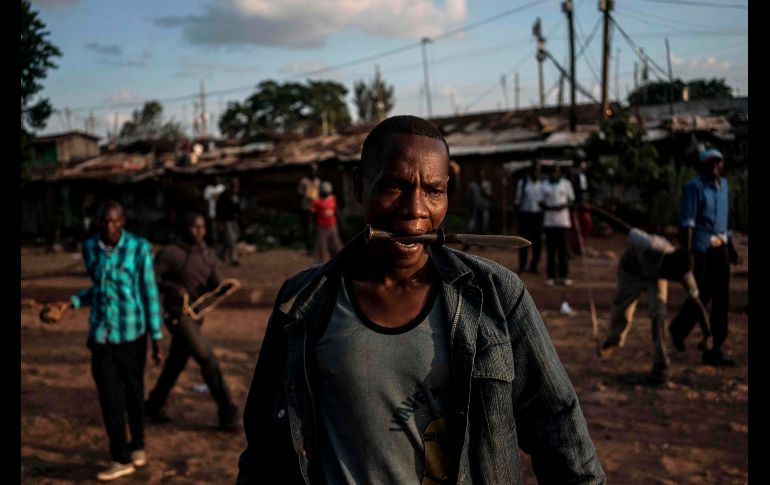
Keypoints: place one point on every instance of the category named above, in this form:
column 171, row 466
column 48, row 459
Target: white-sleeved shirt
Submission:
column 211, row 193
column 554, row 194
column 529, row 193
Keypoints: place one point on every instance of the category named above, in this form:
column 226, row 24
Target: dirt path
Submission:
column 691, row 431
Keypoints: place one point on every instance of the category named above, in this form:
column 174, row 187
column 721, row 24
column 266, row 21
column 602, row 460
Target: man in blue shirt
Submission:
column 703, row 225
column 124, row 308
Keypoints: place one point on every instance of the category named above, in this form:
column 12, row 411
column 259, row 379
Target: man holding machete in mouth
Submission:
column 407, row 362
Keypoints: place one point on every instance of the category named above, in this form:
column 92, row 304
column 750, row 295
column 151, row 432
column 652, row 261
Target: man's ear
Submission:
column 358, row 184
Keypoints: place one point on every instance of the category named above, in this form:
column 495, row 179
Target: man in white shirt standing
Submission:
column 529, row 193
column 558, row 195
column 211, row 194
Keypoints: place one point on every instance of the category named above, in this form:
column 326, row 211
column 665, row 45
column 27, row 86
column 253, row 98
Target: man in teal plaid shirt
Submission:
column 124, row 308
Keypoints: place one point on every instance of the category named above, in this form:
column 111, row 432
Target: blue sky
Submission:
column 117, row 52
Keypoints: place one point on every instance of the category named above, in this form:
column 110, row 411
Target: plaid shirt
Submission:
column 124, row 297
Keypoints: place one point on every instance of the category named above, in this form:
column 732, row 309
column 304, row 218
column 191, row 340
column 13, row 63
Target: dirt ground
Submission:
column 693, row 430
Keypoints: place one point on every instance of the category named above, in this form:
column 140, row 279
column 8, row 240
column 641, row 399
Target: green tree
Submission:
column 619, row 157
column 37, row 55
column 286, row 108
column 656, row 92
column 709, row 89
column 149, row 122
column 366, row 97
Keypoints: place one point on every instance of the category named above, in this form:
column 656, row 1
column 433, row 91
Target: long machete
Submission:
column 440, row 237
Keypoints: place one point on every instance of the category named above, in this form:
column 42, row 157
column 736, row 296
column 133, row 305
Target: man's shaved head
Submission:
column 106, row 207
column 406, row 125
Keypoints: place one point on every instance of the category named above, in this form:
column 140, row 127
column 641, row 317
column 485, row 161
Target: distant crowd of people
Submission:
column 557, row 209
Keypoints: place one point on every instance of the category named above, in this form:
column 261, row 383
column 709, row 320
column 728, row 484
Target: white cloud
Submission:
column 124, row 96
column 298, row 23
column 700, row 65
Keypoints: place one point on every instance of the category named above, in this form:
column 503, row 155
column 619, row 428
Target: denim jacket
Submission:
column 511, row 389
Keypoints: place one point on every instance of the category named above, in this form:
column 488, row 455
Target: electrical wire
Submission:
column 691, row 3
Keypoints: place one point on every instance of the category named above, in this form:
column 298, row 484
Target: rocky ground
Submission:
column 693, row 430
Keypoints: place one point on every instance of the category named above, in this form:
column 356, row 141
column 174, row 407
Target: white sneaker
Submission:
column 116, row 470
column 138, row 458
column 566, row 282
column 550, row 282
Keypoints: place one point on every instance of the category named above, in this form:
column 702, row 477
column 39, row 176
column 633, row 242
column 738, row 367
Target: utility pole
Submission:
column 68, row 118
column 605, row 6
column 380, row 98
column 419, row 96
column 617, row 76
column 670, row 81
column 561, row 93
column 537, row 32
column 452, row 103
column 636, row 77
column 505, row 92
column 645, row 75
column 636, row 93
column 195, row 120
column 425, row 41
column 204, row 114
column 567, row 8
column 516, row 89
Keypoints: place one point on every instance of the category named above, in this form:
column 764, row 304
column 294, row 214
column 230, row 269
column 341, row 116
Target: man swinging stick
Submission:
column 647, row 264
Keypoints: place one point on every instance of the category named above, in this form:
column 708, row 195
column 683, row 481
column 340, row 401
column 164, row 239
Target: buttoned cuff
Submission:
column 688, row 223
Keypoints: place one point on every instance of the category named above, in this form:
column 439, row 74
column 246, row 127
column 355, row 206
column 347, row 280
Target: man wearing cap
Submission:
column 703, row 229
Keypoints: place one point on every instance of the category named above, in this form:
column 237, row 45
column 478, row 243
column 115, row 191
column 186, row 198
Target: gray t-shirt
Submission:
column 385, row 396
column 643, row 254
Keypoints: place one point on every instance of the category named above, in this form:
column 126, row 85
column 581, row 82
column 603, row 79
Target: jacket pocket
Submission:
column 495, row 361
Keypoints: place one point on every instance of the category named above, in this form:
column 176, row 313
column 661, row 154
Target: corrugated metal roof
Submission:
column 471, row 134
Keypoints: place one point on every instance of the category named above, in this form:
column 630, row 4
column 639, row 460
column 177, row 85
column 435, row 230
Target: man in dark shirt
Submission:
column 187, row 267
column 403, row 362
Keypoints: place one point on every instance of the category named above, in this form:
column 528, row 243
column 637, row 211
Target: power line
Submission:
column 647, row 17
column 343, row 65
column 494, row 86
column 580, row 88
column 636, row 48
column 489, row 49
column 691, row 33
column 487, row 20
column 586, row 43
column 691, row 3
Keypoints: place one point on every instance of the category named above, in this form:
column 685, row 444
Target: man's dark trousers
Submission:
column 712, row 274
column 188, row 340
column 118, row 370
column 556, row 247
column 531, row 228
